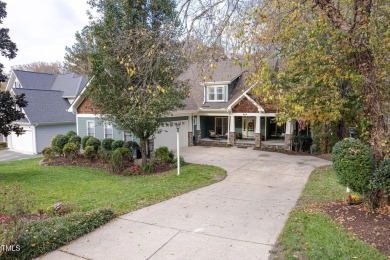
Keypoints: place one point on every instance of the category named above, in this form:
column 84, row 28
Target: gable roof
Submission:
column 200, row 75
column 70, row 84
column 35, row 80
column 45, row 106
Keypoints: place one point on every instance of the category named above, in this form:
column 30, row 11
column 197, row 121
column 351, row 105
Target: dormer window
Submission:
column 216, row 93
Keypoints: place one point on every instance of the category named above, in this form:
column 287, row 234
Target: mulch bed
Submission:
column 372, row 227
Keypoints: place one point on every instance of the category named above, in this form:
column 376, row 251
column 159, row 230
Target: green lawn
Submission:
column 310, row 234
column 91, row 188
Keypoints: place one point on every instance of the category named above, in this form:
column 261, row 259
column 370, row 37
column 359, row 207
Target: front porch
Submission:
column 258, row 130
column 277, row 143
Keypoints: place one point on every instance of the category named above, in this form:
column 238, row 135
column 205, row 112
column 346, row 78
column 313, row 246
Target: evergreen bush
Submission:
column 353, row 163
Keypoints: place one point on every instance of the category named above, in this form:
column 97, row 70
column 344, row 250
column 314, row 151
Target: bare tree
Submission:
column 43, row 67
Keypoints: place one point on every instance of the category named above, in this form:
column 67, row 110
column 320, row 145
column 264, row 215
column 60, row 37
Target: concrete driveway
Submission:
column 7, row 156
column 237, row 218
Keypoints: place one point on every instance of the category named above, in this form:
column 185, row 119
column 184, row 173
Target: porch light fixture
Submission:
column 178, row 148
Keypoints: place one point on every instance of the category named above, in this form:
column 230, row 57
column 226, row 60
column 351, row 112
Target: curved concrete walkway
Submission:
column 237, row 218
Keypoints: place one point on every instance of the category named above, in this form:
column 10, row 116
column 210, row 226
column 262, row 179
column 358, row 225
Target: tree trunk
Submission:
column 143, row 143
column 371, row 106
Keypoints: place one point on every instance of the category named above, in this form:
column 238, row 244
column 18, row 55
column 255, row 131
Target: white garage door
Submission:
column 168, row 135
column 24, row 142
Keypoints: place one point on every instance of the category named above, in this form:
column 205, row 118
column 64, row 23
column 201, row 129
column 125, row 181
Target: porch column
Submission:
column 258, row 132
column 265, row 128
column 198, row 130
column 287, row 136
column 190, row 131
column 232, row 133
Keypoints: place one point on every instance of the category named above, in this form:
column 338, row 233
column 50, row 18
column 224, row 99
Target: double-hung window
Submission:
column 127, row 137
column 108, row 131
column 216, row 93
column 91, row 128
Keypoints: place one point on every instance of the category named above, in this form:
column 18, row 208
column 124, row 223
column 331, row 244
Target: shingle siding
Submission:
column 45, row 133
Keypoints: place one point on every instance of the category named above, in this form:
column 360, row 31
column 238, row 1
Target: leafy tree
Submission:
column 134, row 62
column 332, row 61
column 43, row 67
column 7, row 47
column 76, row 57
column 10, row 111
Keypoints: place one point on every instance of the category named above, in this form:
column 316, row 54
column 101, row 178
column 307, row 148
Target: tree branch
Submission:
column 333, row 14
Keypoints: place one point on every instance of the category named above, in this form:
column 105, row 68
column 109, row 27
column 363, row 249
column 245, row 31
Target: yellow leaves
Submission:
column 161, row 89
column 131, row 71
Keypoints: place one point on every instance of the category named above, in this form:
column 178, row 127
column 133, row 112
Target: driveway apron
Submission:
column 237, row 218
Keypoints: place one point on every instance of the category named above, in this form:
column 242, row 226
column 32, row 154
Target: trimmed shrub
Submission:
column 59, row 141
column 182, row 162
column 47, row 235
column 131, row 145
column 116, row 162
column 126, row 154
column 3, row 145
column 70, row 150
column 162, row 154
column 89, row 152
column 148, row 167
column 381, row 178
column 50, row 152
column 70, row 133
column 94, row 142
column 76, row 140
column 60, row 209
column 117, row 144
column 353, row 163
column 107, row 144
column 84, row 141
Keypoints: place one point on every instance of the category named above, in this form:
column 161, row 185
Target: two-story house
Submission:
column 220, row 108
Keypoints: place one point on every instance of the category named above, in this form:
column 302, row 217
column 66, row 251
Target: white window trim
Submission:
column 91, row 121
column 104, row 131
column 224, row 93
column 132, row 137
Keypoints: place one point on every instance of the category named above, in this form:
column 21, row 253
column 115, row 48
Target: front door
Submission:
column 248, row 127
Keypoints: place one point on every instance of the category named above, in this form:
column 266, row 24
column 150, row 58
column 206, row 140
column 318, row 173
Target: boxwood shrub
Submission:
column 84, row 141
column 59, row 141
column 94, row 142
column 89, row 152
column 47, row 235
column 107, row 144
column 76, row 140
column 162, row 154
column 117, row 144
column 353, row 163
column 71, row 150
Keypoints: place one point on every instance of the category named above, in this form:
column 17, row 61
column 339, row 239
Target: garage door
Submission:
column 24, row 142
column 168, row 135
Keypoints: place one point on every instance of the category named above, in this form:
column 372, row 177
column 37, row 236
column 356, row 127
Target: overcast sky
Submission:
column 42, row 28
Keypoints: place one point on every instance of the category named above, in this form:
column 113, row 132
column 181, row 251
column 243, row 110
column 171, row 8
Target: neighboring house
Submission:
column 220, row 108
column 49, row 96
